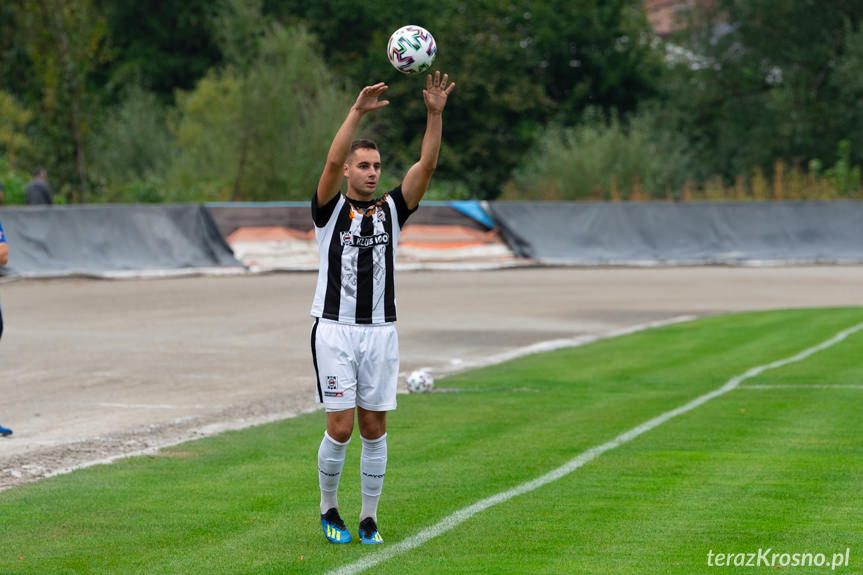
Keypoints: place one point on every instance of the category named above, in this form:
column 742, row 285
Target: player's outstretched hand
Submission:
column 368, row 98
column 436, row 92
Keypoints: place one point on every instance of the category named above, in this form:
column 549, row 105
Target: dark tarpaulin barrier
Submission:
column 113, row 241
column 230, row 216
column 754, row 233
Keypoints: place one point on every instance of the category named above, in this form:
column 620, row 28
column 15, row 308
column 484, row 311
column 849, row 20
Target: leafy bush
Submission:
column 604, row 159
column 131, row 150
column 14, row 183
column 14, row 118
column 260, row 133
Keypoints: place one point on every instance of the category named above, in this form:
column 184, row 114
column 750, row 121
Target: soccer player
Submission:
column 354, row 343
column 4, row 257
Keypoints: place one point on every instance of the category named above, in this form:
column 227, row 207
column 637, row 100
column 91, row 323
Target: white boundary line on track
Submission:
column 454, row 520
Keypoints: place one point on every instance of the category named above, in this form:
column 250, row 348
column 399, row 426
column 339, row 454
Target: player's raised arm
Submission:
column 417, row 179
column 331, row 177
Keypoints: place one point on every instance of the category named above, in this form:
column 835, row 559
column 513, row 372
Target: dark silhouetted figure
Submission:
column 38, row 191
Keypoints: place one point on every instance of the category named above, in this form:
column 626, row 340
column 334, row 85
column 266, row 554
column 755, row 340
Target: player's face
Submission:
column 363, row 170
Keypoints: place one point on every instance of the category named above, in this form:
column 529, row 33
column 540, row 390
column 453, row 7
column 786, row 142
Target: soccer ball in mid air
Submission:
column 411, row 49
column 420, row 382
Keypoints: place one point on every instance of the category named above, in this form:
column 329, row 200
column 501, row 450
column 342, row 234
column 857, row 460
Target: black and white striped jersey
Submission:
column 357, row 245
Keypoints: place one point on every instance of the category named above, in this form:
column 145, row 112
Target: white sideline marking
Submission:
column 790, row 386
column 462, row 515
column 551, row 345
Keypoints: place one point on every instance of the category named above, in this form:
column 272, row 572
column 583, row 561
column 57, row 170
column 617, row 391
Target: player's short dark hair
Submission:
column 363, row 145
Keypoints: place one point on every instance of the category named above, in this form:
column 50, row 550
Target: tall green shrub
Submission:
column 262, row 132
column 603, row 158
column 131, row 151
column 14, row 141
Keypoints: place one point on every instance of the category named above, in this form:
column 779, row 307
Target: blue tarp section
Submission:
column 113, row 240
column 473, row 209
column 745, row 233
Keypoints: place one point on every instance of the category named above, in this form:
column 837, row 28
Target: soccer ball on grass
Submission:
column 420, row 382
column 411, row 49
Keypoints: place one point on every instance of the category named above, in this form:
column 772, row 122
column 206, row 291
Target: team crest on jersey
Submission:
column 347, row 238
column 332, row 382
column 380, row 216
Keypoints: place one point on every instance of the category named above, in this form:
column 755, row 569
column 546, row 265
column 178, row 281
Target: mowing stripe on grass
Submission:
column 462, row 515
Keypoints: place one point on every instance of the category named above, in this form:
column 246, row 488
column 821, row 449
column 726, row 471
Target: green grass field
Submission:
column 777, row 467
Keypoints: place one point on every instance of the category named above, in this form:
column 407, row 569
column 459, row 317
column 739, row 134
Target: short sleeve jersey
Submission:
column 357, row 246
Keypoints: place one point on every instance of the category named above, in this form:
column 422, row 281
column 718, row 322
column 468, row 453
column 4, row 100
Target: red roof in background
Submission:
column 666, row 16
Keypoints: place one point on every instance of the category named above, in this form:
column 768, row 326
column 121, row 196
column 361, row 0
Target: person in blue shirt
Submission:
column 4, row 257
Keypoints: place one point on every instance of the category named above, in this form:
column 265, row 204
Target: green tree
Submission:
column 847, row 81
column 518, row 65
column 161, row 46
column 762, row 83
column 14, row 119
column 602, row 157
column 844, row 176
column 65, row 42
column 131, row 150
column 260, row 128
column 14, row 183
column 240, row 28
column 15, row 145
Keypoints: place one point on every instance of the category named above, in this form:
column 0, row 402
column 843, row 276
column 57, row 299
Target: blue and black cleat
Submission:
column 4, row 431
column 334, row 528
column 369, row 534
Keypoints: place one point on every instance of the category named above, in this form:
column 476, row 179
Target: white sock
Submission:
column 373, row 467
column 331, row 459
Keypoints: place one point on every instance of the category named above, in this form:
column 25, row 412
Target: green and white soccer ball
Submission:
column 420, row 381
column 411, row 49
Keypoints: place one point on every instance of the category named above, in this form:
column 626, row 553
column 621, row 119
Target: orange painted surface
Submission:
column 268, row 234
column 280, row 248
column 416, row 236
column 446, row 237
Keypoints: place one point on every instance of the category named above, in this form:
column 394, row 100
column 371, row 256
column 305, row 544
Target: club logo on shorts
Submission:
column 332, row 382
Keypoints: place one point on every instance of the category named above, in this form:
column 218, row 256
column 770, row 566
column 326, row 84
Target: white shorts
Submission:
column 355, row 365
